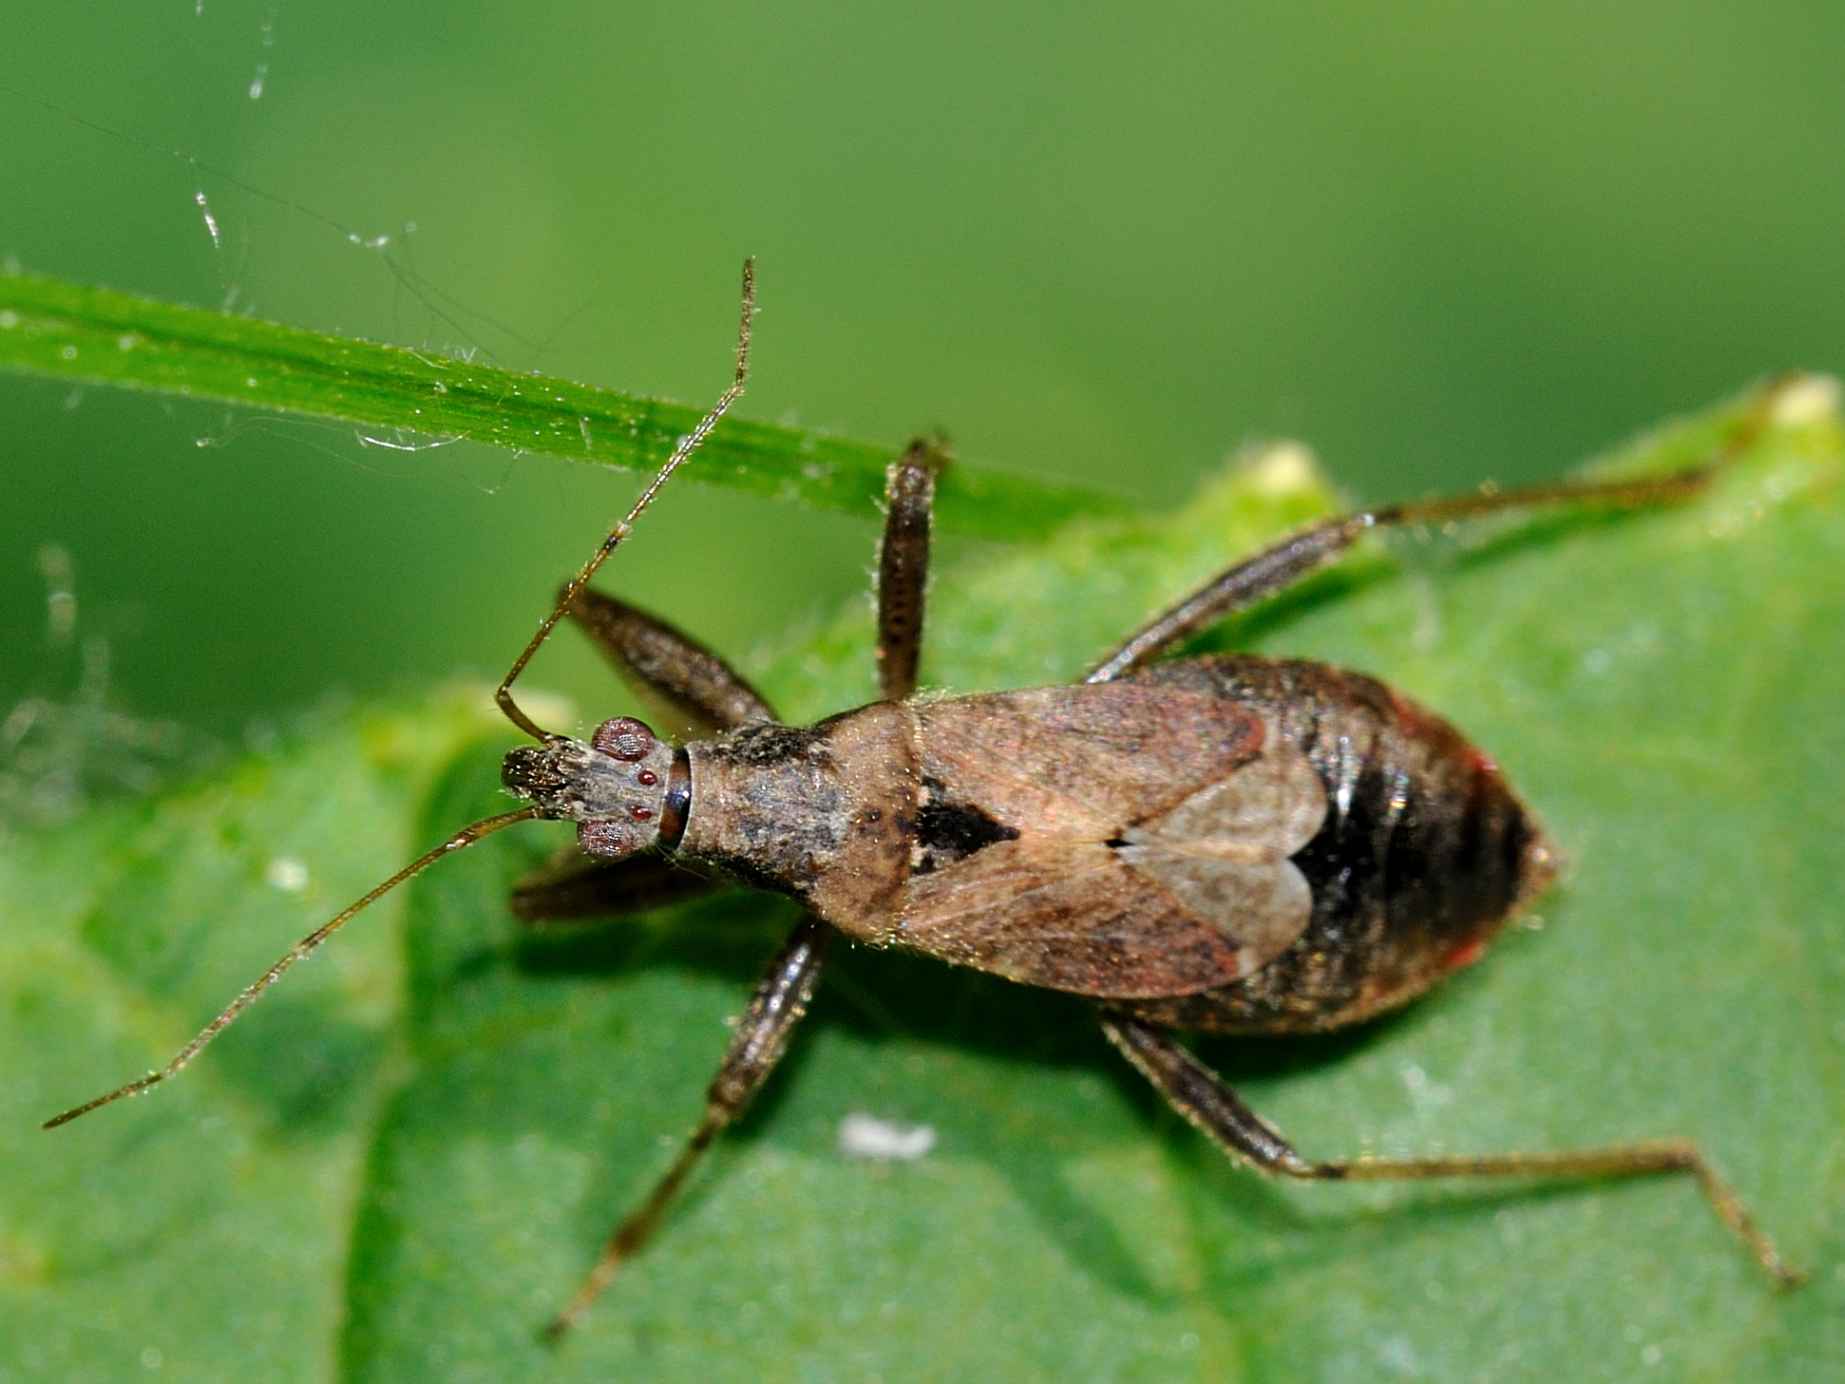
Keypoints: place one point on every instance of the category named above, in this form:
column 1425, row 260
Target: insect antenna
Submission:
column 467, row 836
column 687, row 445
column 475, row 831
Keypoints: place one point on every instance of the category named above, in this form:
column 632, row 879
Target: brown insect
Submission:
column 1226, row 844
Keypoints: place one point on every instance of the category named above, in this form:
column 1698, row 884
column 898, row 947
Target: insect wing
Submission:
column 1223, row 853
column 1139, row 845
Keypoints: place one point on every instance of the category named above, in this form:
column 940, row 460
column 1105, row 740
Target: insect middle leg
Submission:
column 761, row 1038
column 1201, row 1096
column 903, row 565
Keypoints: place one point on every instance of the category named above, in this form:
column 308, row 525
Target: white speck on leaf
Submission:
column 884, row 1141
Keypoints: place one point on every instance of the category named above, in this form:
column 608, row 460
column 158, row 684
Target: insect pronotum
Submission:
column 1224, row 844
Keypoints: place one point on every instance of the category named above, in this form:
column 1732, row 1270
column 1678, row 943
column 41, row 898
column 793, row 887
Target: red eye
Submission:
column 647, row 778
column 624, row 738
column 608, row 838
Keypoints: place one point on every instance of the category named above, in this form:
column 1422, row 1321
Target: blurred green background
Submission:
column 1440, row 243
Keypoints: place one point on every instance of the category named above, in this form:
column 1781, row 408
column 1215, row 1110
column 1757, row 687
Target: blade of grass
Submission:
column 81, row 333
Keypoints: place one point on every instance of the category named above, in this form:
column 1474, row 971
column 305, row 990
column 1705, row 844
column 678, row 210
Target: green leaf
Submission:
column 85, row 334
column 404, row 1159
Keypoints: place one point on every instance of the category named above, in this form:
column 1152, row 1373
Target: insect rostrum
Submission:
column 1225, row 844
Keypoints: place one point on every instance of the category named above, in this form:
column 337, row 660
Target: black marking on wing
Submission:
column 949, row 831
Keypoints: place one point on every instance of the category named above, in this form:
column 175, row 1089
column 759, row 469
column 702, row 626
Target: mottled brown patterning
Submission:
column 1028, row 833
column 1232, row 844
column 1424, row 854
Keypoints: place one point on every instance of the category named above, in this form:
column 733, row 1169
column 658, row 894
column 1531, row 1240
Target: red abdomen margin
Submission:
column 1424, row 854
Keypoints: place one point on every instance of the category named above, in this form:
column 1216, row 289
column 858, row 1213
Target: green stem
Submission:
column 80, row 333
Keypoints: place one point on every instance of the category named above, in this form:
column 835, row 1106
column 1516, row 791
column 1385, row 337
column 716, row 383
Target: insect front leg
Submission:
column 573, row 886
column 1201, row 1096
column 698, row 692
column 903, row 565
column 761, row 1038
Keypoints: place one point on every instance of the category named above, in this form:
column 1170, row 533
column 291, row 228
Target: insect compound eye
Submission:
column 609, row 838
column 624, row 738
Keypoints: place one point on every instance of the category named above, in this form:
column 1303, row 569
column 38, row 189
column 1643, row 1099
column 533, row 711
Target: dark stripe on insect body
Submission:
column 1423, row 854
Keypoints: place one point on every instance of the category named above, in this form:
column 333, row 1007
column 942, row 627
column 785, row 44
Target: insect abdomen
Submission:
column 1425, row 851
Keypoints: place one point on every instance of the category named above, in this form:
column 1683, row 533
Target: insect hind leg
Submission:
column 1202, row 1097
column 1280, row 566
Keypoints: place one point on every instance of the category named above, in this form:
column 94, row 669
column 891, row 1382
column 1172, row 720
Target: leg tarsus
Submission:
column 903, row 564
column 1201, row 1096
column 760, row 1040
